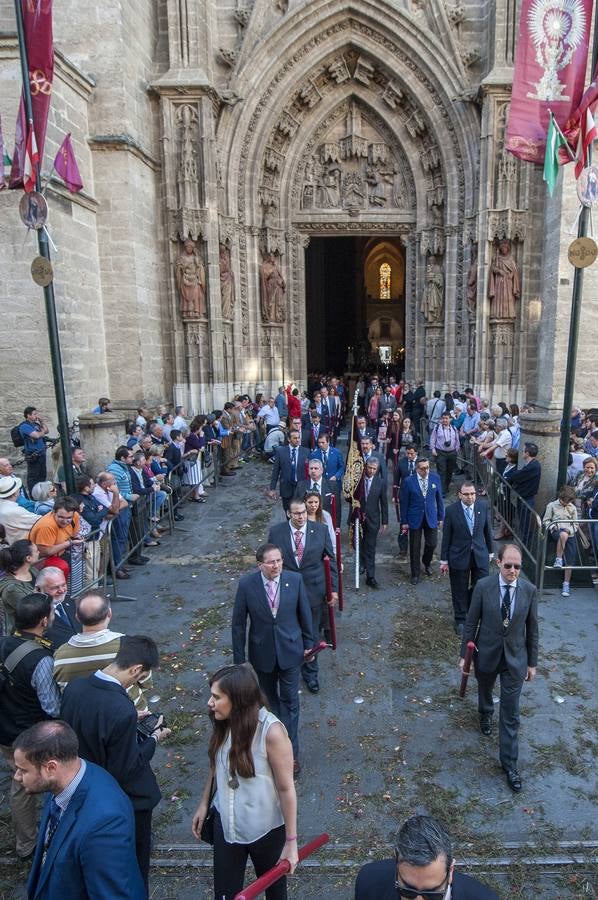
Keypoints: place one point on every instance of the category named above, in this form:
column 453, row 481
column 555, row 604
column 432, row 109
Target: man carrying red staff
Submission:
column 303, row 546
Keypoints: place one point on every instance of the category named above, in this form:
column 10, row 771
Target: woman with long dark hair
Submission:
column 251, row 770
column 17, row 563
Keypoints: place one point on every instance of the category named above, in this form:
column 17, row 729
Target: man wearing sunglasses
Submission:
column 503, row 622
column 423, row 869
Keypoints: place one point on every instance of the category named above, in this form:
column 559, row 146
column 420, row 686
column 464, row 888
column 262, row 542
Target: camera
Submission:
column 447, row 443
column 148, row 724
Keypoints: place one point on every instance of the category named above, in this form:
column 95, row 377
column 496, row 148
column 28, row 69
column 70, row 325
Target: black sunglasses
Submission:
column 511, row 565
column 409, row 893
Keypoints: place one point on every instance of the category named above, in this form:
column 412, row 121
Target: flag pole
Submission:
column 49, row 300
column 576, row 298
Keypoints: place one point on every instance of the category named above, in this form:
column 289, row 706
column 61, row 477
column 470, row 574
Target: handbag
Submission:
column 207, row 828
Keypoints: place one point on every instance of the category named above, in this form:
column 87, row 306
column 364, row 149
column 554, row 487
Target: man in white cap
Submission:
column 16, row 520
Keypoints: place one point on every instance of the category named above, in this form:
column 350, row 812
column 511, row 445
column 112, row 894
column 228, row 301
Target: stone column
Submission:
column 544, row 429
column 100, row 436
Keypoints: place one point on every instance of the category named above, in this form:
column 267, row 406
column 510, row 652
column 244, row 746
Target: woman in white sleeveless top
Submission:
column 255, row 802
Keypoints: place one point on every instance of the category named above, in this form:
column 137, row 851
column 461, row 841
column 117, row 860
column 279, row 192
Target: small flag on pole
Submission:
column 31, row 161
column 66, row 166
column 554, row 141
column 587, row 133
column 4, row 160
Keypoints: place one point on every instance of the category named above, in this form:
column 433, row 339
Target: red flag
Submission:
column 31, row 162
column 550, row 65
column 587, row 133
column 37, row 23
column 66, row 166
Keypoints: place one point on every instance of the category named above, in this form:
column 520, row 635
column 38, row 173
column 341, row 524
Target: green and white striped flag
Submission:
column 554, row 141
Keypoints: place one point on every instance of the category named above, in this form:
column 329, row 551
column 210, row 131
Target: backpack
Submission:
column 13, row 659
column 515, row 433
column 16, row 436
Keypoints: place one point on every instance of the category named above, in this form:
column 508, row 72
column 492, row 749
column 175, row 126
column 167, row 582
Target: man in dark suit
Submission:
column 288, row 468
column 333, row 463
column 368, row 452
column 423, row 863
column 363, row 430
column 51, row 581
column 503, row 622
column 276, row 604
column 376, row 519
column 422, row 511
column 105, row 721
column 85, row 846
column 303, row 546
column 316, row 482
column 526, row 481
column 466, row 548
column 405, row 466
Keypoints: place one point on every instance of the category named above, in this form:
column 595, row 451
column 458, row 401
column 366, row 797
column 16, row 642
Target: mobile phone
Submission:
column 148, row 724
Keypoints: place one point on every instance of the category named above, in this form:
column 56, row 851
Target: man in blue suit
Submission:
column 422, row 511
column 86, row 842
column 466, row 548
column 289, row 468
column 280, row 631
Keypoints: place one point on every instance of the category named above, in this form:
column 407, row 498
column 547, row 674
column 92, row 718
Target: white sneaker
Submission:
column 558, row 563
column 565, row 592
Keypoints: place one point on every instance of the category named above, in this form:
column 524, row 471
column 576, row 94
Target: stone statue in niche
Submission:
column 330, row 187
column 380, row 180
column 227, row 283
column 187, row 173
column 272, row 291
column 433, row 297
column 472, row 280
column 191, row 282
column 504, row 286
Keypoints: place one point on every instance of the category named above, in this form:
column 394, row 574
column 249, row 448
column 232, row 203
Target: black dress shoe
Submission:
column 178, row 518
column 140, row 561
column 120, row 573
column 415, row 579
column 486, row 725
column 428, row 570
column 371, row 582
column 312, row 686
column 514, row 780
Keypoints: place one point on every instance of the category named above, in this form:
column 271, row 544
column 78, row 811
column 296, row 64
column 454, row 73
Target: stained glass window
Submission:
column 385, row 271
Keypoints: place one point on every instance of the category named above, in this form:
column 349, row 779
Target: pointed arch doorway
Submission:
column 354, row 303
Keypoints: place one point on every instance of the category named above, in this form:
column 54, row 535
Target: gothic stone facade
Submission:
column 249, row 127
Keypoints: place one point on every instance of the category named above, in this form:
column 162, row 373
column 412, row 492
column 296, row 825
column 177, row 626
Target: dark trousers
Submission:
column 143, row 841
column 463, row 582
column 446, row 463
column 501, row 465
column 36, row 469
column 230, row 861
column 119, row 535
column 508, row 722
column 367, row 549
column 415, row 540
column 319, row 618
column 281, row 687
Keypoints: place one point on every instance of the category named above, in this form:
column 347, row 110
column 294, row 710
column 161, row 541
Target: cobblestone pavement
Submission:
column 386, row 736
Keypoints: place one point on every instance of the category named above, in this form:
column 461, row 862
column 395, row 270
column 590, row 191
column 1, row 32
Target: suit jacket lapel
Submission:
column 67, row 821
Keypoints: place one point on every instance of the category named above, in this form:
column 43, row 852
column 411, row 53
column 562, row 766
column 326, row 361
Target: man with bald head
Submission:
column 94, row 648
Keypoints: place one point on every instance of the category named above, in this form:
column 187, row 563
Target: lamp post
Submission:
column 44, row 251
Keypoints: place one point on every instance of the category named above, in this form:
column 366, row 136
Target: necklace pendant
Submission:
column 233, row 782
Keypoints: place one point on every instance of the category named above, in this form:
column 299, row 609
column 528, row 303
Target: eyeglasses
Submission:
column 515, row 566
column 409, row 893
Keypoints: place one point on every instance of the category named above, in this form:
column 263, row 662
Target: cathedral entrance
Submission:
column 355, row 303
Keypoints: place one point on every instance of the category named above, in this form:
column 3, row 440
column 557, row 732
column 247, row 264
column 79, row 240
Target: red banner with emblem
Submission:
column 37, row 23
column 550, row 66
